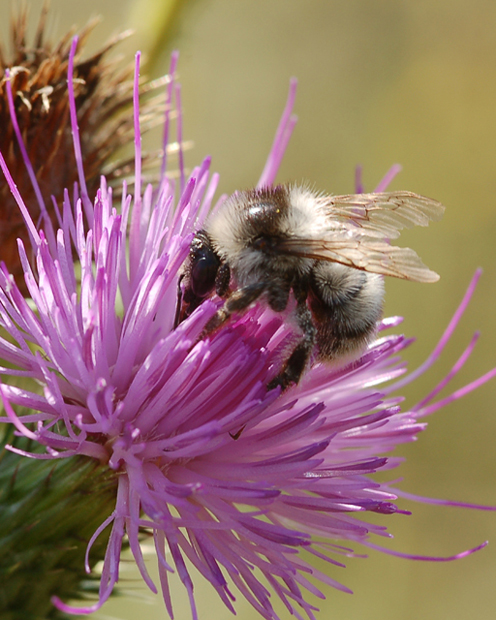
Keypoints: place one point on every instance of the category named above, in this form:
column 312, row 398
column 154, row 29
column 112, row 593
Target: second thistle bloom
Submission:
column 36, row 124
column 161, row 407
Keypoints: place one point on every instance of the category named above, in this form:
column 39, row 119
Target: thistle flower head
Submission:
column 35, row 117
column 244, row 484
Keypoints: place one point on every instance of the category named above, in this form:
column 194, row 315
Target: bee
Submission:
column 329, row 252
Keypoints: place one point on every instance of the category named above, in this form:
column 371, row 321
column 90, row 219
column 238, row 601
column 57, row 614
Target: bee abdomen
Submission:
column 346, row 305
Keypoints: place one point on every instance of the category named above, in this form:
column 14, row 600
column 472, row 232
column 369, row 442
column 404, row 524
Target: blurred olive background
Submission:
column 380, row 82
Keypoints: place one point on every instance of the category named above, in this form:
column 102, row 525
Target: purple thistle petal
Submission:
column 427, row 558
column 359, row 189
column 33, row 233
column 75, row 132
column 388, row 177
column 445, row 337
column 444, row 502
column 281, row 140
column 29, row 168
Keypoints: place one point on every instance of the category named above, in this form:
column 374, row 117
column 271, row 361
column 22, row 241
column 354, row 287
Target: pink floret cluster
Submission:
column 242, row 483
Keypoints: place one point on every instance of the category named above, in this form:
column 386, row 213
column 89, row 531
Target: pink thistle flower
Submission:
column 162, row 409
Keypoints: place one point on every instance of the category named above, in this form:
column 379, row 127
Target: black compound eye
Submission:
column 203, row 271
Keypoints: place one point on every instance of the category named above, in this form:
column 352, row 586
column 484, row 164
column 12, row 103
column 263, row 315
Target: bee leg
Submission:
column 297, row 361
column 236, row 302
column 222, row 280
column 179, row 301
column 237, row 434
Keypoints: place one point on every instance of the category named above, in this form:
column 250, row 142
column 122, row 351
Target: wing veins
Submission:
column 360, row 229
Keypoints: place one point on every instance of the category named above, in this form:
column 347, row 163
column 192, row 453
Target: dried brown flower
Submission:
column 38, row 77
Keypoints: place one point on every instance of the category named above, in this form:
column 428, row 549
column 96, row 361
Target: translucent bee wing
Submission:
column 382, row 215
column 366, row 253
column 360, row 227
